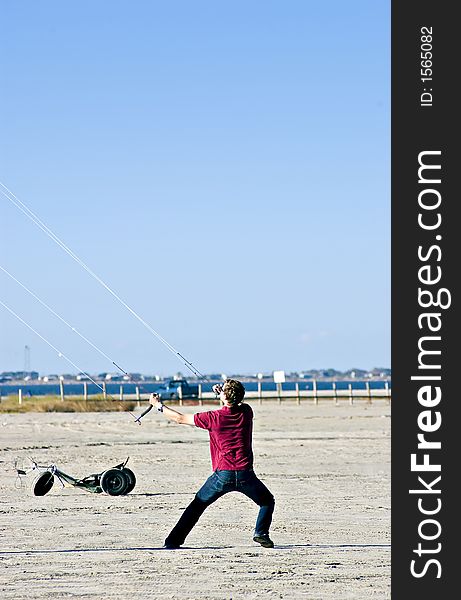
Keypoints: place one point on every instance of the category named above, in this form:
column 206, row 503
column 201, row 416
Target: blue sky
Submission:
column 224, row 167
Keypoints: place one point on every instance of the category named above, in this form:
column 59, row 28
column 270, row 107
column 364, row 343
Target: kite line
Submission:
column 62, row 355
column 9, row 195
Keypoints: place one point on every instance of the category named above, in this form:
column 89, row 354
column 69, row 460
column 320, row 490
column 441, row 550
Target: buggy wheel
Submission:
column 114, row 482
column 132, row 479
column 43, row 483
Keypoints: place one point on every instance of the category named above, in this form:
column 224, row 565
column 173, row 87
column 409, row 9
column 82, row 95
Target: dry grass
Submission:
column 68, row 405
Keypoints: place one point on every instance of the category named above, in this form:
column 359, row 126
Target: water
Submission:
column 76, row 389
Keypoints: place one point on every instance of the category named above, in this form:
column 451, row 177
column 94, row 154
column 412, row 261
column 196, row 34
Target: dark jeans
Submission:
column 218, row 484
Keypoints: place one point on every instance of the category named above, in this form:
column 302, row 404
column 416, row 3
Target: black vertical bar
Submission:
column 425, row 125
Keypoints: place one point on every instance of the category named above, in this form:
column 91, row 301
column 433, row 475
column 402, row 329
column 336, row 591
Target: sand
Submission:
column 327, row 466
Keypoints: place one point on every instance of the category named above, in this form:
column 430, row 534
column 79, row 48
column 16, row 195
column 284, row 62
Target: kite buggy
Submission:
column 116, row 481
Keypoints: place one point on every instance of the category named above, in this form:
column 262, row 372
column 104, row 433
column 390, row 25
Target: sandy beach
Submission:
column 327, row 466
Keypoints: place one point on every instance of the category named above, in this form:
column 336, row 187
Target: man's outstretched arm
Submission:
column 170, row 413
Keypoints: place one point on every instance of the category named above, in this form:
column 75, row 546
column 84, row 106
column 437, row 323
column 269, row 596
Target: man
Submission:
column 230, row 429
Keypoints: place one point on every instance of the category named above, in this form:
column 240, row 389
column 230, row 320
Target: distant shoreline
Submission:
column 242, row 378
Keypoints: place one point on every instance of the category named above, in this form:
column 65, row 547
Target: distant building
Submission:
column 19, row 375
column 381, row 372
column 113, row 377
column 136, row 377
column 52, row 377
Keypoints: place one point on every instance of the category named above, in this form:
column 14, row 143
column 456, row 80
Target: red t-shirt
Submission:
column 230, row 430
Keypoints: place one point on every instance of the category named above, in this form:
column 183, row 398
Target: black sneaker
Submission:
column 171, row 547
column 264, row 540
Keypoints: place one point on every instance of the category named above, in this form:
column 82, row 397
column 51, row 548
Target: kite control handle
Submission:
column 149, row 408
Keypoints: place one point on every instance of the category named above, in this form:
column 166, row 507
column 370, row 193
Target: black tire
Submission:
column 114, row 482
column 43, row 483
column 132, row 479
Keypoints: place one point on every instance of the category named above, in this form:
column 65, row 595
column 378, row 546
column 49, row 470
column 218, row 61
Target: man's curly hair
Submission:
column 234, row 391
